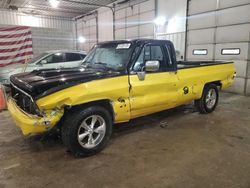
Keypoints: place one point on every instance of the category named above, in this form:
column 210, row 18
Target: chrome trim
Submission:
column 28, row 96
column 22, row 91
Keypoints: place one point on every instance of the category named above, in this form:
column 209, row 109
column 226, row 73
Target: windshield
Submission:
column 37, row 58
column 113, row 56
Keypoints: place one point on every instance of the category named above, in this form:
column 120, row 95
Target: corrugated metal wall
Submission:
column 15, row 18
column 87, row 28
column 135, row 20
column 45, row 39
column 219, row 30
column 48, row 33
column 132, row 20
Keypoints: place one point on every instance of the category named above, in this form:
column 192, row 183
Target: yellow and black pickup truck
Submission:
column 118, row 81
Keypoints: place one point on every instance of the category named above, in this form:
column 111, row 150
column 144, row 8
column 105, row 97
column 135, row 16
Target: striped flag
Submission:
column 15, row 45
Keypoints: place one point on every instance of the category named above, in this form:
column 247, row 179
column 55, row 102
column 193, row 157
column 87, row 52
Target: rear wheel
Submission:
column 209, row 100
column 86, row 131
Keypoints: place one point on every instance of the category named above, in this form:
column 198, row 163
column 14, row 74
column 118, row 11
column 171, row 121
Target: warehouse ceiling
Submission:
column 66, row 8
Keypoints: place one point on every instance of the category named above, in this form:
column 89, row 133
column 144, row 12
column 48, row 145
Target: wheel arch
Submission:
column 217, row 83
column 105, row 103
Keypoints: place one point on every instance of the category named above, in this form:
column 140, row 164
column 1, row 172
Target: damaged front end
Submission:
column 27, row 114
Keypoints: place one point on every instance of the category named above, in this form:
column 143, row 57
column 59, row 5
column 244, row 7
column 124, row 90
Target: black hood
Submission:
column 43, row 82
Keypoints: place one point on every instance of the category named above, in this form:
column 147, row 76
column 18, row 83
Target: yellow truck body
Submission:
column 159, row 91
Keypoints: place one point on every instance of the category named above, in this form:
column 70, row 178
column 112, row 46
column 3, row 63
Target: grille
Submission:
column 23, row 101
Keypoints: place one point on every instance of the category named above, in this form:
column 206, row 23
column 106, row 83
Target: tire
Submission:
column 79, row 130
column 208, row 102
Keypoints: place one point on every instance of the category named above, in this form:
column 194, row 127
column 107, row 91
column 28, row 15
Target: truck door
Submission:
column 152, row 90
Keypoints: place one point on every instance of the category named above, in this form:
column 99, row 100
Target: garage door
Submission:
column 219, row 30
column 87, row 27
column 135, row 20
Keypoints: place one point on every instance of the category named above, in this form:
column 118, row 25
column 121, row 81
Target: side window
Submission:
column 73, row 57
column 156, row 53
column 55, row 58
column 150, row 52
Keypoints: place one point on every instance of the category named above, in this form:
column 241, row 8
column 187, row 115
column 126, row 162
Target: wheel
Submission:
column 86, row 131
column 208, row 102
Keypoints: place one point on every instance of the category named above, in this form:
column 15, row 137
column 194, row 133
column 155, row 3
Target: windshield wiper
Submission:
column 97, row 64
column 103, row 65
column 100, row 63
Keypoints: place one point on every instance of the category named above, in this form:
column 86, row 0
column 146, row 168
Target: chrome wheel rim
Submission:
column 211, row 98
column 91, row 131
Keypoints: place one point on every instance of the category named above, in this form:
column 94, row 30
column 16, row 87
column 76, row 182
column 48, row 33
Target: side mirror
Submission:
column 42, row 62
column 152, row 66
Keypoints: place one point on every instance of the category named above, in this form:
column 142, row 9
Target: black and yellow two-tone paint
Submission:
column 122, row 90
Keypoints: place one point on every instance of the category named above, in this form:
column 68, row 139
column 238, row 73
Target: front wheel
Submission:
column 209, row 100
column 86, row 131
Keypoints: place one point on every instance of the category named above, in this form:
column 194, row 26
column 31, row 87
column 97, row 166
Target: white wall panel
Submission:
column 147, row 6
column 248, row 69
column 147, row 17
column 201, row 21
column 120, row 14
column 135, row 20
column 121, row 23
column 231, row 3
column 105, row 24
column 92, row 30
column 146, row 30
column 132, row 20
column 132, row 32
column 175, row 12
column 130, row 11
column 203, row 36
column 120, row 34
column 241, row 68
column 229, row 21
column 88, row 30
column 236, row 33
column 199, row 6
column 244, row 51
column 208, row 47
column 14, row 18
column 44, row 39
column 234, row 15
column 238, row 86
column 248, row 87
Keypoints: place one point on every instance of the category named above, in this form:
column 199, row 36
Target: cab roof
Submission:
column 135, row 41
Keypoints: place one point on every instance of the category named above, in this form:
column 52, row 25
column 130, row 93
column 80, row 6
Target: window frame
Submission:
column 163, row 48
column 230, row 49
column 193, row 52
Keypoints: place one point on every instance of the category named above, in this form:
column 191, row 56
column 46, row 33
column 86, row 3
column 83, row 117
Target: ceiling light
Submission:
column 54, row 3
column 160, row 21
column 82, row 39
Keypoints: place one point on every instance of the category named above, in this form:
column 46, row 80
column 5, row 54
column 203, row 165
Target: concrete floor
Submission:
column 177, row 148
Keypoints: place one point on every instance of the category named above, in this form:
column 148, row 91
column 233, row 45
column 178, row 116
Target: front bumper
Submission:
column 32, row 124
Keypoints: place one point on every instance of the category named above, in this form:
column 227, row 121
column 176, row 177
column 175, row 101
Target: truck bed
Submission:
column 195, row 64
